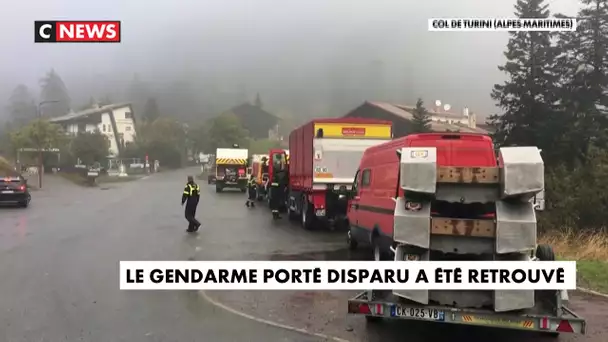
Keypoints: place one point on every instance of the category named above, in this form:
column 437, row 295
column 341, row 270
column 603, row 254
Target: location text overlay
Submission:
column 502, row 24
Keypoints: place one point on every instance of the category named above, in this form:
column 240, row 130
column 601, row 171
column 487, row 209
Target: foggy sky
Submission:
column 281, row 48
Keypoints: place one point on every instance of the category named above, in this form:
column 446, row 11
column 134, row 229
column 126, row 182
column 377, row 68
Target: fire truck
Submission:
column 326, row 156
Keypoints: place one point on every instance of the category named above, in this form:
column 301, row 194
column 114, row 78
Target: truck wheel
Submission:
column 545, row 253
column 291, row 215
column 307, row 218
column 352, row 243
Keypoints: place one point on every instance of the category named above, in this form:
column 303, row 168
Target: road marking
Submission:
column 591, row 292
column 267, row 322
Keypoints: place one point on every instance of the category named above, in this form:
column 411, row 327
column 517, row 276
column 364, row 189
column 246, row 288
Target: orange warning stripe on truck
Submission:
column 347, row 130
column 230, row 161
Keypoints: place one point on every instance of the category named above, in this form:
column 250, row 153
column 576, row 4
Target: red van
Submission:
column 371, row 209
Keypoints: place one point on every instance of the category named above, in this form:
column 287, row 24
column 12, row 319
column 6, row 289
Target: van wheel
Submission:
column 352, row 243
column 307, row 219
column 378, row 254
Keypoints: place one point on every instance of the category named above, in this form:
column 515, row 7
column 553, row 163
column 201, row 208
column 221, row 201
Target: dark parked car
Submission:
column 14, row 190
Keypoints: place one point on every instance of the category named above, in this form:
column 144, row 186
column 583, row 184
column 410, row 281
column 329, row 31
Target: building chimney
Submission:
column 472, row 119
column 465, row 112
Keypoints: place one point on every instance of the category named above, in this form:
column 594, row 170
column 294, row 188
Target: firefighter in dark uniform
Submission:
column 191, row 197
column 277, row 187
column 252, row 192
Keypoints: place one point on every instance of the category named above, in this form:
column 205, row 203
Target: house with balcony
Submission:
column 115, row 121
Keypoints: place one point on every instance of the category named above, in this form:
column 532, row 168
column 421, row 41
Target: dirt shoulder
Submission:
column 325, row 312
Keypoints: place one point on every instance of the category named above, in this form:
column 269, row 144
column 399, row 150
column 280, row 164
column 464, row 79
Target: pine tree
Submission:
column 258, row 101
column 527, row 97
column 151, row 110
column 421, row 123
column 138, row 93
column 22, row 106
column 54, row 91
column 583, row 66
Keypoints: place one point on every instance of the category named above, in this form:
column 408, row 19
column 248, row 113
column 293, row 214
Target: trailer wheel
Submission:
column 549, row 298
column 551, row 335
column 372, row 319
column 545, row 253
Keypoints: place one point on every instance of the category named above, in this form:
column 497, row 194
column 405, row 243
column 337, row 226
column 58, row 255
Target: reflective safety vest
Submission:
column 190, row 189
column 251, row 182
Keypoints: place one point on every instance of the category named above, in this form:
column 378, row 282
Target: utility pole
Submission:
column 40, row 166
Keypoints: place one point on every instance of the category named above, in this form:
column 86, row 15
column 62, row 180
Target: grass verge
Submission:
column 590, row 251
column 75, row 178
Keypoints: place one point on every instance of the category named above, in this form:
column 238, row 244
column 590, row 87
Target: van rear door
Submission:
column 458, row 150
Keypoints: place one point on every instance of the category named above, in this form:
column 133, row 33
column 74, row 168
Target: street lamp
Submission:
column 39, row 114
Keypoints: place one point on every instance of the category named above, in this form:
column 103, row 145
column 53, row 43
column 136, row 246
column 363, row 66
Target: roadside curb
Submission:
column 267, row 322
column 591, row 292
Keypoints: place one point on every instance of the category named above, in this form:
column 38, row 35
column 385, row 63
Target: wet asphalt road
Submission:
column 59, row 272
column 59, row 263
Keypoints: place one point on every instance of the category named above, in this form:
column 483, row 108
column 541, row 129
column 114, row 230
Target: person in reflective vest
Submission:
column 191, row 197
column 251, row 187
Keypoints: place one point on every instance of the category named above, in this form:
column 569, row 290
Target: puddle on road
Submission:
column 333, row 255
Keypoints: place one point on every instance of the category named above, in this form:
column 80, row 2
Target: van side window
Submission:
column 366, row 177
column 356, row 182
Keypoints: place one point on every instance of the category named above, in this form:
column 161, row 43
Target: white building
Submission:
column 115, row 121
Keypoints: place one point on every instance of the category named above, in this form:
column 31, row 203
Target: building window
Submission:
column 103, row 128
column 82, row 127
column 127, row 128
column 128, row 115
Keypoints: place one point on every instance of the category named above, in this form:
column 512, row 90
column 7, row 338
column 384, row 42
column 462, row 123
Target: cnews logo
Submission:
column 77, row 31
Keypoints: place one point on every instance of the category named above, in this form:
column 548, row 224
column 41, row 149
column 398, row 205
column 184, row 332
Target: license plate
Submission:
column 8, row 192
column 418, row 313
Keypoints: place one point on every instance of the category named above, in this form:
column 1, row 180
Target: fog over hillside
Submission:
column 305, row 58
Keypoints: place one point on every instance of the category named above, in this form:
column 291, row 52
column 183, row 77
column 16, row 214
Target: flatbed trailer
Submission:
column 391, row 307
